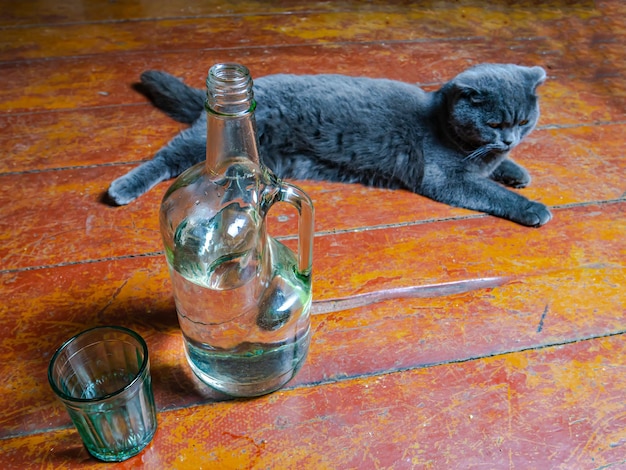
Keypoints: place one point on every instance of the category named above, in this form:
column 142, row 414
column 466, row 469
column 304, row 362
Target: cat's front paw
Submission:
column 534, row 214
column 511, row 174
column 122, row 191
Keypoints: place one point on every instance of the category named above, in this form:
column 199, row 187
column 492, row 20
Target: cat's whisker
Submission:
column 482, row 151
column 477, row 154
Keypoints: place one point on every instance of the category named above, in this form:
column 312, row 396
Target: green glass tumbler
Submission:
column 102, row 376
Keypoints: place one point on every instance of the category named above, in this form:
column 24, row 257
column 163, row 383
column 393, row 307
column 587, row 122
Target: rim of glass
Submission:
column 66, row 397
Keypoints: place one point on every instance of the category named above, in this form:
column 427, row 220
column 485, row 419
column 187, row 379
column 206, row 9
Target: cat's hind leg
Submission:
column 511, row 174
column 186, row 149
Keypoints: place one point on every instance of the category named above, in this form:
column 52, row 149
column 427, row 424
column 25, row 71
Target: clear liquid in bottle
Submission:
column 243, row 299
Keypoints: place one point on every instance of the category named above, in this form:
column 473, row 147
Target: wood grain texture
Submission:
column 529, row 375
column 504, row 411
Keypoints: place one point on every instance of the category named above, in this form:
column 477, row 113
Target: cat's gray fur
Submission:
column 451, row 145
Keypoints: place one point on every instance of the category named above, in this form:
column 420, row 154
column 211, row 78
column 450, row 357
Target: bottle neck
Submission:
column 231, row 128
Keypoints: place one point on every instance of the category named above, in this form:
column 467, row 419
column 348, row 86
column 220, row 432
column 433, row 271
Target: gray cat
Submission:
column 451, row 145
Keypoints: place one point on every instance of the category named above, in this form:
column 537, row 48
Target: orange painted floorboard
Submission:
column 526, row 375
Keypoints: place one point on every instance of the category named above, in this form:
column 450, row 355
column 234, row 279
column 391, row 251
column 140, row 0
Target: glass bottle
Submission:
column 243, row 298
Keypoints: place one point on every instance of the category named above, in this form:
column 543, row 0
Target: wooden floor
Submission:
column 530, row 375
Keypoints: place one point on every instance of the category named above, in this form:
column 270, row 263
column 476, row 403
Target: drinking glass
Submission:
column 102, row 376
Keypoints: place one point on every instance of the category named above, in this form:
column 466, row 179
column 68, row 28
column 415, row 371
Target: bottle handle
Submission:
column 302, row 202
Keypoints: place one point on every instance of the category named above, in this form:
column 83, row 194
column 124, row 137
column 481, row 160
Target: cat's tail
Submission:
column 168, row 93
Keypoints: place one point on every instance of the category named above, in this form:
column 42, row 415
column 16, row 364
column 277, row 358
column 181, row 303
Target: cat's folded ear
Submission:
column 536, row 75
column 457, row 89
column 470, row 93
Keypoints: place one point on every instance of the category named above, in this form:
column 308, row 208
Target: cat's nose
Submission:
column 507, row 138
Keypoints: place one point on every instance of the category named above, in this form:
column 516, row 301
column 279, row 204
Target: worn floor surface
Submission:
column 530, row 375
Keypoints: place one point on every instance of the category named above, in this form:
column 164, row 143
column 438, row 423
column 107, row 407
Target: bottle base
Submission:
column 251, row 369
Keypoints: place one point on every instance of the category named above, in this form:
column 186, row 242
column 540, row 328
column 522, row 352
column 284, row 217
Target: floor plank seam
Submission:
column 247, row 48
column 323, row 233
column 379, row 373
column 550, row 127
column 138, row 162
column 346, row 378
column 156, row 19
column 72, row 168
column 35, row 112
column 78, row 263
column 572, row 205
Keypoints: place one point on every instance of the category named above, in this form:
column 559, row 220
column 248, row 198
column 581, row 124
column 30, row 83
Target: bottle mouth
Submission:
column 229, row 89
